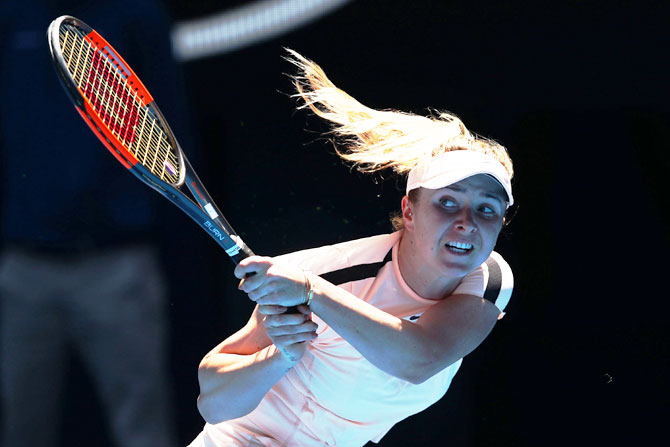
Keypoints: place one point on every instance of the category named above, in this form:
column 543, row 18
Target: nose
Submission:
column 466, row 221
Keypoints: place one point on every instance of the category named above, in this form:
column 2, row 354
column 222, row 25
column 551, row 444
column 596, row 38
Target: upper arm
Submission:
column 248, row 340
column 454, row 327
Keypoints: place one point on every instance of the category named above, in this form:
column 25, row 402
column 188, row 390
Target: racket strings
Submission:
column 135, row 125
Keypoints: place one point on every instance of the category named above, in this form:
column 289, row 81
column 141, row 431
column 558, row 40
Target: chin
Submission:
column 461, row 265
column 458, row 268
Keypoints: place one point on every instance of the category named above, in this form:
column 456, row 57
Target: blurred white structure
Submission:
column 245, row 25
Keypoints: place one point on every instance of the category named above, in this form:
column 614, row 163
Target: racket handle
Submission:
column 244, row 252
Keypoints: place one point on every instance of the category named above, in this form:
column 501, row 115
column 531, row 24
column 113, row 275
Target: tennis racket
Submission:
column 123, row 115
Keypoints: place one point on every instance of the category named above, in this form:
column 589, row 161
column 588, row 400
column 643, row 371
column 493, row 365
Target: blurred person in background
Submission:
column 80, row 269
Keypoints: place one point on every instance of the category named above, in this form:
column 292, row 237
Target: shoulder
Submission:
column 493, row 281
column 499, row 281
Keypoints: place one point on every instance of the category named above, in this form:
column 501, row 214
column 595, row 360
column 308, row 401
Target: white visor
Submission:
column 454, row 166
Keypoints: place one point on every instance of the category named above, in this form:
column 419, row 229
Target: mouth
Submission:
column 459, row 248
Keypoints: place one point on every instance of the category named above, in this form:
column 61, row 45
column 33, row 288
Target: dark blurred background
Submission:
column 577, row 91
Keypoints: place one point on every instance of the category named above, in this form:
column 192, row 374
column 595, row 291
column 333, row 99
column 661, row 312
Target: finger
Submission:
column 288, row 340
column 283, row 319
column 257, row 279
column 265, row 291
column 271, row 310
column 274, row 294
column 279, row 331
column 252, row 264
column 253, row 283
column 305, row 310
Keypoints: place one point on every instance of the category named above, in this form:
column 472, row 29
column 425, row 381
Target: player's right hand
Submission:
column 288, row 332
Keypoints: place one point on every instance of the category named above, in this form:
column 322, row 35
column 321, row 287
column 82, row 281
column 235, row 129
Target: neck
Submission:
column 419, row 276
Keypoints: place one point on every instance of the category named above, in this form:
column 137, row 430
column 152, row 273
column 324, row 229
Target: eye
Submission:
column 488, row 210
column 448, row 203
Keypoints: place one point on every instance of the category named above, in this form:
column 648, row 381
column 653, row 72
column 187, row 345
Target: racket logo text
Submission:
column 211, row 227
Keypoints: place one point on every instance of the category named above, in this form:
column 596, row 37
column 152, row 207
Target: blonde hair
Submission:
column 374, row 140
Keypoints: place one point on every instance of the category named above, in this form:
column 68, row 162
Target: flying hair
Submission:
column 375, row 140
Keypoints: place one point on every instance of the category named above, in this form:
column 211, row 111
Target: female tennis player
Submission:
column 385, row 321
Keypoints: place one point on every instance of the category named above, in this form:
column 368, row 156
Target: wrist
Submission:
column 286, row 358
column 309, row 289
column 281, row 358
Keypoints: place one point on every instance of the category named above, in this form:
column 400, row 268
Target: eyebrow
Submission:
column 488, row 194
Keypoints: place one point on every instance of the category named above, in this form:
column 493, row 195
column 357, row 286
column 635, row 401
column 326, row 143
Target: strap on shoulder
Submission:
column 356, row 272
column 494, row 283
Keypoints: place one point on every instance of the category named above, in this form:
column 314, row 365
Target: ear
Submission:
column 407, row 213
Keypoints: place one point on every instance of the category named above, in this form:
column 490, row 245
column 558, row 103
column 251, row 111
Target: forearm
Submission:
column 233, row 385
column 393, row 345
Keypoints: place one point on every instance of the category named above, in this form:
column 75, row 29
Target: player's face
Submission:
column 454, row 229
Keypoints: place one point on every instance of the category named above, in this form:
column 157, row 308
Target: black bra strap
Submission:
column 495, row 281
column 356, row 272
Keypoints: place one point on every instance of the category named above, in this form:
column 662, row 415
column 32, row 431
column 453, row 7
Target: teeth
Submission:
column 461, row 245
